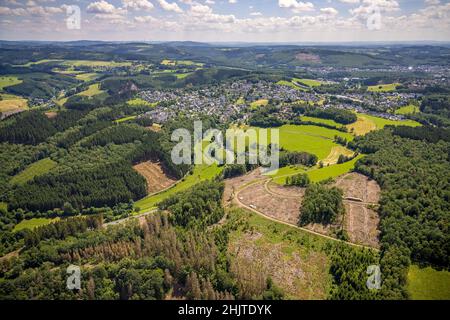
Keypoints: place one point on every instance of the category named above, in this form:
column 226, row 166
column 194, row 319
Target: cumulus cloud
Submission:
column 296, row 6
column 330, row 11
column 138, row 4
column 100, row 7
column 170, row 6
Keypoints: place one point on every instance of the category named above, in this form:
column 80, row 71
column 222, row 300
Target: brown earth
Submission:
column 51, row 114
column 308, row 57
column 283, row 203
column 157, row 179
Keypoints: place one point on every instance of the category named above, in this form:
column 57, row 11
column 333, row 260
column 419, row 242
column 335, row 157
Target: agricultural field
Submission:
column 367, row 123
column 141, row 102
column 307, row 82
column 200, row 173
column 10, row 102
column 32, row 223
column 409, row 109
column 383, row 87
column 309, row 138
column 167, row 62
column 86, row 76
column 154, row 174
column 92, row 90
column 428, row 283
column 294, row 260
column 182, row 75
column 35, row 169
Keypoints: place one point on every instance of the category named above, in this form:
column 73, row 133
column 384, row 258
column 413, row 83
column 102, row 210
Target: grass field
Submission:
column 86, row 76
column 141, row 102
column 308, row 82
column 383, row 87
column 10, row 102
column 428, row 284
column 7, row 81
column 367, row 123
column 316, row 174
column 125, row 119
column 33, row 170
column 182, row 75
column 92, row 90
column 32, row 223
column 409, row 109
column 290, row 84
column 259, row 103
column 294, row 260
column 324, row 121
column 167, row 62
column 201, row 173
column 309, row 138
column 3, row 206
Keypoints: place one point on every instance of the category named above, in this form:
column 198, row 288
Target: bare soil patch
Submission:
column 51, row 114
column 155, row 176
column 233, row 185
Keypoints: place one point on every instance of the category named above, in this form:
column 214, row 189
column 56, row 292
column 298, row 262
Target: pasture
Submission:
column 86, row 76
column 309, row 138
column 141, row 102
column 367, row 123
column 307, row 82
column 383, row 87
column 409, row 109
column 33, row 223
column 92, row 90
column 33, row 170
column 200, row 173
column 10, row 102
column 428, row 283
column 259, row 103
column 7, row 81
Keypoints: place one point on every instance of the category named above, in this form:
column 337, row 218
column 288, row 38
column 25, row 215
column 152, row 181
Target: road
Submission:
column 129, row 218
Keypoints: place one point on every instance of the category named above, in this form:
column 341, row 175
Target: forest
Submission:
column 414, row 178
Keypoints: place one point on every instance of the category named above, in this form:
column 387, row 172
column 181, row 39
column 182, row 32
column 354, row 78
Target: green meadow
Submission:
column 309, row 138
column 290, row 84
column 321, row 121
column 32, row 223
column 92, row 90
column 7, row 81
column 409, row 109
column 259, row 103
column 141, row 102
column 383, row 87
column 428, row 283
column 33, row 170
column 308, row 82
column 201, row 173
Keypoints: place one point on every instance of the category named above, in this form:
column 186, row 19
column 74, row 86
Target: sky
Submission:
column 226, row 20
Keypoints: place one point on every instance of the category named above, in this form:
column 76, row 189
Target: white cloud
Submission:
column 329, row 11
column 170, row 6
column 256, row 14
column 138, row 4
column 100, row 7
column 296, row 6
column 432, row 2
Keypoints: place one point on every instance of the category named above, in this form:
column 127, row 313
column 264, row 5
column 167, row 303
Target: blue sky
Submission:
column 228, row 20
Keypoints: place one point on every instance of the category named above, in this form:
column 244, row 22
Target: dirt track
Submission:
column 282, row 204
